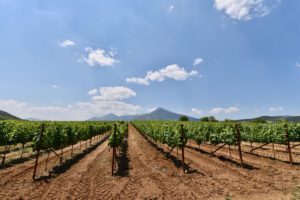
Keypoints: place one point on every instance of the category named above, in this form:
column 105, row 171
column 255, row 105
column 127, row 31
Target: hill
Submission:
column 7, row 116
column 274, row 118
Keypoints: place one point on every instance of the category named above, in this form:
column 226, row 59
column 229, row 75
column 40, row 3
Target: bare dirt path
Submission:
column 264, row 176
column 152, row 176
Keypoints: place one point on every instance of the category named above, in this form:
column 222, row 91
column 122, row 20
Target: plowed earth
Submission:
column 145, row 172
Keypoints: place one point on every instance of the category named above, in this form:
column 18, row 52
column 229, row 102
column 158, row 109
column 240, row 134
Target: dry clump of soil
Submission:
column 145, row 172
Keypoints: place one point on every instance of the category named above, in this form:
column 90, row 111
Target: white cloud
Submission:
column 56, row 87
column 109, row 100
column 114, row 93
column 217, row 110
column 75, row 111
column 93, row 92
column 196, row 111
column 275, row 109
column 228, row 110
column 198, row 61
column 171, row 8
column 232, row 109
column 174, row 72
column 140, row 81
column 99, row 57
column 66, row 43
column 245, row 9
column 297, row 64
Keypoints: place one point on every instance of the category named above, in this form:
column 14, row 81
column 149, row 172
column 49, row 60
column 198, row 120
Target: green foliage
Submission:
column 208, row 119
column 183, row 118
column 117, row 137
column 218, row 133
column 56, row 134
column 165, row 132
column 259, row 120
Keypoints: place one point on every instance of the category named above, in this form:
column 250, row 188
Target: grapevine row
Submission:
column 218, row 133
column 57, row 135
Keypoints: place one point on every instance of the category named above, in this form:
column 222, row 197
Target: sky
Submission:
column 72, row 60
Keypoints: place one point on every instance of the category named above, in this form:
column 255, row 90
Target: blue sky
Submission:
column 71, row 60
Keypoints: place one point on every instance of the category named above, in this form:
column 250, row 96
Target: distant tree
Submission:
column 208, row 119
column 183, row 118
column 204, row 119
column 259, row 120
column 283, row 120
column 229, row 120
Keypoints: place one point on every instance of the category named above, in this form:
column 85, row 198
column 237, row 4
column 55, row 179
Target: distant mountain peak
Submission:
column 159, row 113
column 159, row 109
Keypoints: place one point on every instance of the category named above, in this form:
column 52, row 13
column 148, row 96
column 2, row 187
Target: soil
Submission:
column 146, row 172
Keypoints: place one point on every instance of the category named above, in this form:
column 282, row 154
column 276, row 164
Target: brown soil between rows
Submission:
column 144, row 172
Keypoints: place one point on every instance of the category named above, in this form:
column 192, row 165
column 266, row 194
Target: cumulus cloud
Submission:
column 171, row 8
column 198, row 61
column 140, row 81
column 99, row 57
column 75, row 111
column 195, row 111
column 174, row 72
column 228, row 110
column 103, row 101
column 66, row 43
column 245, row 9
column 93, row 92
column 275, row 109
column 114, row 93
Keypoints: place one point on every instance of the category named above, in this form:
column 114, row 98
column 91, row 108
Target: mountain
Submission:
column 274, row 118
column 157, row 114
column 113, row 117
column 7, row 116
column 161, row 114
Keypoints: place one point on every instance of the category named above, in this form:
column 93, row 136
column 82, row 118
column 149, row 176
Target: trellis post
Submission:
column 238, row 138
column 38, row 151
column 114, row 151
column 287, row 137
column 182, row 135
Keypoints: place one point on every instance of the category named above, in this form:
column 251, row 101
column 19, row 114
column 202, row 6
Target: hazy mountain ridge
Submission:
column 157, row 114
column 112, row 117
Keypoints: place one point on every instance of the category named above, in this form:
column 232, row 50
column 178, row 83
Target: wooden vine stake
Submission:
column 38, row 149
column 114, row 151
column 287, row 137
column 3, row 157
column 273, row 148
column 238, row 138
column 7, row 149
column 182, row 137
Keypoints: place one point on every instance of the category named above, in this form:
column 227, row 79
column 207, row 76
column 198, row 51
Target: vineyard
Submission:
column 144, row 160
column 230, row 134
